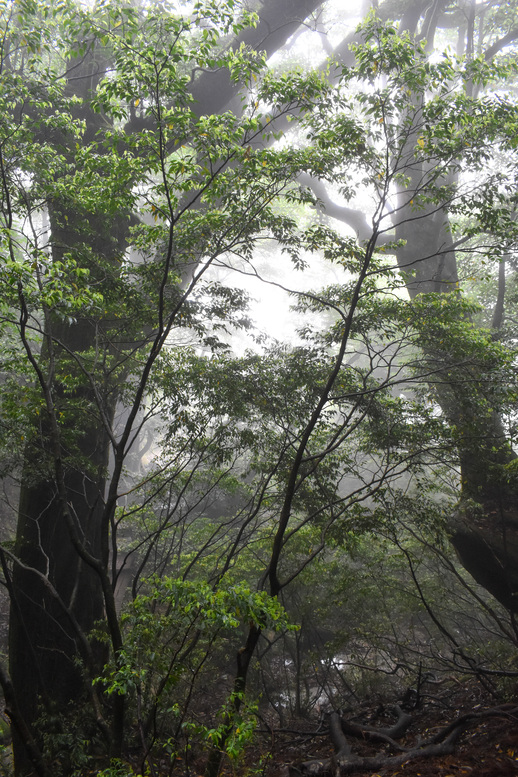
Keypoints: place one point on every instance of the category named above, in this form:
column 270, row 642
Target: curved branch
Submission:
column 340, row 765
column 443, row 743
column 500, row 44
column 388, row 735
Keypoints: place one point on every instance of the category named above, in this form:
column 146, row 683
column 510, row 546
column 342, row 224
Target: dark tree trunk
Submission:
column 55, row 590
column 484, row 529
column 55, row 593
column 43, row 639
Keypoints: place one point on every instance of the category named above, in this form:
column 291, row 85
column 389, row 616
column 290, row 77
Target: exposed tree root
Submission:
column 388, row 735
column 345, row 762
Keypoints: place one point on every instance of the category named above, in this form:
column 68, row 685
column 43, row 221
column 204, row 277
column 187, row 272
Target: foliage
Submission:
column 161, row 624
column 207, row 487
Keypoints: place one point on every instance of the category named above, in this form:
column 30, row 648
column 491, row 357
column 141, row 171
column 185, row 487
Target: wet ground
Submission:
column 488, row 746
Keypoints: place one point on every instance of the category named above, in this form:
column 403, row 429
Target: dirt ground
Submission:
column 488, row 746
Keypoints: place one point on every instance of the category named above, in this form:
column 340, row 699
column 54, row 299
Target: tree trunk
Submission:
column 43, row 642
column 484, row 529
column 44, row 619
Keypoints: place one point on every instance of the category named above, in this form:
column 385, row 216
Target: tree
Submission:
column 125, row 183
column 92, row 164
column 429, row 254
column 428, row 258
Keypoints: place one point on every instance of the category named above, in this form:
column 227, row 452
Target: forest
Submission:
column 259, row 388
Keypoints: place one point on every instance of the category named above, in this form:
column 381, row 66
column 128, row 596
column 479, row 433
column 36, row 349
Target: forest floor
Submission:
column 487, row 747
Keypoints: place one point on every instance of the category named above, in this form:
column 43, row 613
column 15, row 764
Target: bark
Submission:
column 64, row 522
column 388, row 735
column 12, row 711
column 483, row 531
column 343, row 764
column 340, row 743
column 43, row 645
column 278, row 21
column 485, row 536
